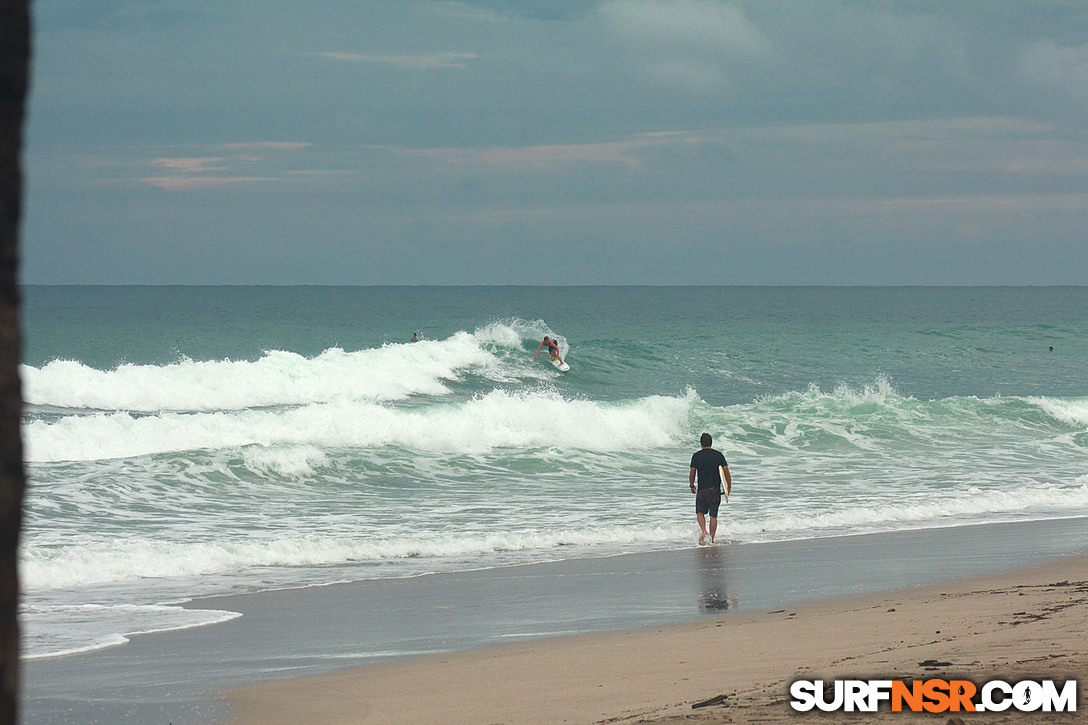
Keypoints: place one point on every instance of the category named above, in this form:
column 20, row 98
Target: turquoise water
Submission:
column 189, row 441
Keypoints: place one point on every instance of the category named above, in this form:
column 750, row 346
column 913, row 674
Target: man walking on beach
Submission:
column 712, row 468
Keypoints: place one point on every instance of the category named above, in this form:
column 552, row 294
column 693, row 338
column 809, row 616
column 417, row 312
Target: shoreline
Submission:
column 1027, row 623
column 175, row 676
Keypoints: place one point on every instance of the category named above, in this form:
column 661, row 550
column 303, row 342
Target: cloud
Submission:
column 610, row 152
column 192, row 165
column 910, row 110
column 1060, row 69
column 408, row 62
column 686, row 26
column 272, row 145
column 190, row 183
column 697, row 46
column 191, row 170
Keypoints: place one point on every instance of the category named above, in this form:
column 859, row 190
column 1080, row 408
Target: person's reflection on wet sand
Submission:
column 714, row 568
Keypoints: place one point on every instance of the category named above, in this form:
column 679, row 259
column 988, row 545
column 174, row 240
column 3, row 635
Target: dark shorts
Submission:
column 707, row 501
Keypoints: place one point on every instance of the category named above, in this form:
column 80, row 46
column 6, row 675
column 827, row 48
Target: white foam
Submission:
column 284, row 461
column 498, row 419
column 59, row 630
column 880, row 391
column 391, row 372
column 1073, row 411
column 514, row 333
column 93, row 564
column 970, row 505
column 279, row 378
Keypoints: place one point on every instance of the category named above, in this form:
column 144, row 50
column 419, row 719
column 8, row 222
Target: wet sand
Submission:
column 1024, row 624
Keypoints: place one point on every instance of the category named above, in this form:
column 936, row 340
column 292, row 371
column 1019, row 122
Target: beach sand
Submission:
column 1023, row 624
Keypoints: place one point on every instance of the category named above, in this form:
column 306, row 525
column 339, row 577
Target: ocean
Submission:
column 185, row 442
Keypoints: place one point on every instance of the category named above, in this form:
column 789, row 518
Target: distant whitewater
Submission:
column 191, row 441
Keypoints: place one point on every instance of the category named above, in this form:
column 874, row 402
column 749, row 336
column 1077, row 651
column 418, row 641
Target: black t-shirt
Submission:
column 706, row 461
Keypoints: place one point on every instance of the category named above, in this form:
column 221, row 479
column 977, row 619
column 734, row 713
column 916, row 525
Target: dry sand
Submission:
column 1025, row 624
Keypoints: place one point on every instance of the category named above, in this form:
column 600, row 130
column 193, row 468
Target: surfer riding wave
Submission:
column 553, row 348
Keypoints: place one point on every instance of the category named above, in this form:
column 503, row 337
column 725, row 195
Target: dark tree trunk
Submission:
column 14, row 72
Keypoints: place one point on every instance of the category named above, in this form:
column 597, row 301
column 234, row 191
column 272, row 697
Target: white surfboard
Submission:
column 725, row 485
column 561, row 366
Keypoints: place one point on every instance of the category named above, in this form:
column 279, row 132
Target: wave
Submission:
column 972, row 504
column 60, row 630
column 491, row 421
column 1073, row 411
column 393, row 372
column 875, row 418
column 881, row 398
column 95, row 563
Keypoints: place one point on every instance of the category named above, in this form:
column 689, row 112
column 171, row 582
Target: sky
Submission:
column 558, row 142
